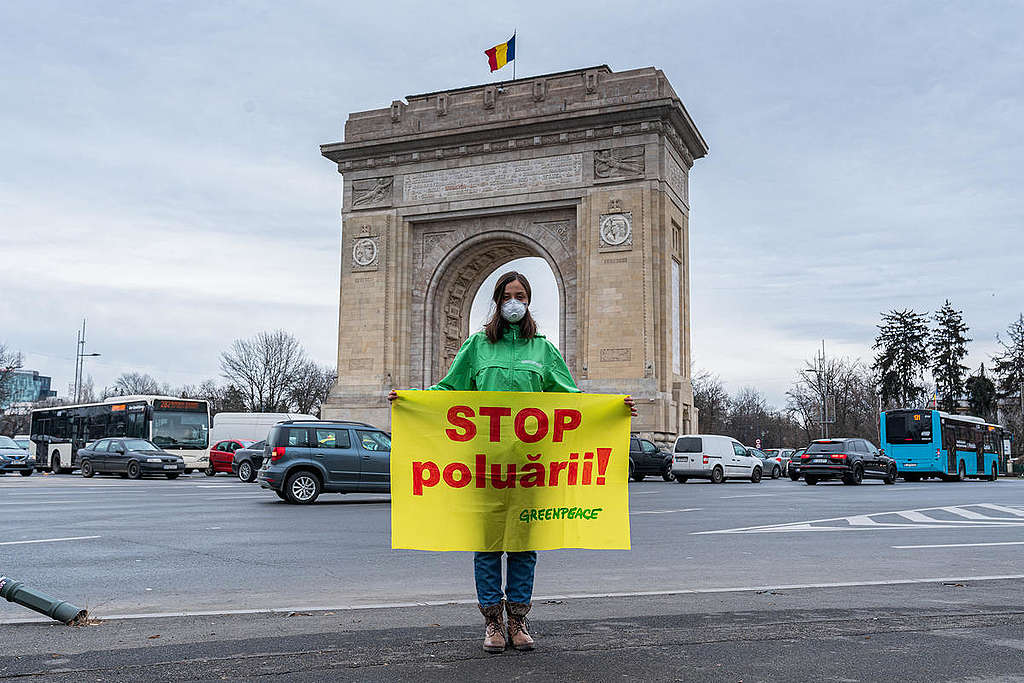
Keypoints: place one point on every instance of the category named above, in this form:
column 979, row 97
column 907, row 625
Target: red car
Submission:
column 222, row 453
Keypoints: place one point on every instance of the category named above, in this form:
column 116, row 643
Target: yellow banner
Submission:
column 495, row 470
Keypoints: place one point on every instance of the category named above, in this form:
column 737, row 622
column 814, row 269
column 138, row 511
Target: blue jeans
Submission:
column 519, row 579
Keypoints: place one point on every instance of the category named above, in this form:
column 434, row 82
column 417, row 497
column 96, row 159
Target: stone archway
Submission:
column 587, row 169
column 455, row 257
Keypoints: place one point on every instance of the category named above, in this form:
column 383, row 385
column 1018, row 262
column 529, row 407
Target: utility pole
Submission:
column 80, row 356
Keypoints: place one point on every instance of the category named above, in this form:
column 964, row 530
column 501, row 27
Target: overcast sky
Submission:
column 159, row 169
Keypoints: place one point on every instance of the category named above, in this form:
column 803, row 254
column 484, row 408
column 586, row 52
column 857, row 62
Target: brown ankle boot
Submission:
column 494, row 635
column 518, row 636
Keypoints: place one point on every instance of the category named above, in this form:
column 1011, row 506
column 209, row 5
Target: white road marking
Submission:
column 49, row 540
column 28, row 503
column 537, row 598
column 956, row 545
column 916, row 519
column 663, row 512
column 750, row 495
column 1002, row 508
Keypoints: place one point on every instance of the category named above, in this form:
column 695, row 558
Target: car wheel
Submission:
column 811, row 480
column 855, row 477
column 302, row 488
column 245, row 471
column 755, row 476
column 26, row 473
column 209, row 471
column 995, row 473
column 890, row 476
column 794, row 476
column 717, row 475
column 667, row 475
column 172, row 475
column 87, row 470
column 776, row 472
column 134, row 471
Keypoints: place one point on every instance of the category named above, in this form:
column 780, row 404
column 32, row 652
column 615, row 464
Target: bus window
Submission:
column 908, row 427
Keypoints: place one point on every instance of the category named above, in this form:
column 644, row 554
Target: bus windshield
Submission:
column 172, row 429
column 908, row 427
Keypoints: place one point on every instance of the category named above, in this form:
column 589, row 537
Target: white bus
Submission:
column 177, row 425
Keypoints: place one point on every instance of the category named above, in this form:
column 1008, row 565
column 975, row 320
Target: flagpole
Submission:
column 515, row 55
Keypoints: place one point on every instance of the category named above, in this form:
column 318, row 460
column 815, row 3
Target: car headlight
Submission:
column 153, row 460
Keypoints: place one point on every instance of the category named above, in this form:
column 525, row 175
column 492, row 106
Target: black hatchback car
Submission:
column 130, row 458
column 848, row 459
column 645, row 458
column 246, row 462
column 14, row 458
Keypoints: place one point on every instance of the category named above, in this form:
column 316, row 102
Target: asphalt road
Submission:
column 198, row 544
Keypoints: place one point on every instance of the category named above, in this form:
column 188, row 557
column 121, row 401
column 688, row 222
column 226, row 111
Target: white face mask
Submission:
column 513, row 310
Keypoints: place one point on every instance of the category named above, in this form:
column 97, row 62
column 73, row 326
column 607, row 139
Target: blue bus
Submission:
column 931, row 443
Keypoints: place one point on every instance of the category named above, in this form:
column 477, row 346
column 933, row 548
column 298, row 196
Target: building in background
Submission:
column 28, row 386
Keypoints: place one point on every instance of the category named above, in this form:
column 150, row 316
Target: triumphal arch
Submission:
column 587, row 169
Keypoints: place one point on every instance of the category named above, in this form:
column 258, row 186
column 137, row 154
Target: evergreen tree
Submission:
column 902, row 346
column 981, row 393
column 1009, row 365
column 948, row 347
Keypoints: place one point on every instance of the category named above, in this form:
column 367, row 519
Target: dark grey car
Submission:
column 14, row 458
column 246, row 462
column 304, row 458
column 130, row 458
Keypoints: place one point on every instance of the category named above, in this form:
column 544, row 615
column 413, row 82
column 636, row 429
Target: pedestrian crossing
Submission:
column 972, row 515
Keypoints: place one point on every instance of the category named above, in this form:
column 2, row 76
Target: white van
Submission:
column 250, row 426
column 708, row 456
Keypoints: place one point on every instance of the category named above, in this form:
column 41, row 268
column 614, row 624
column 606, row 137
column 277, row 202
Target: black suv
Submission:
column 848, row 459
column 645, row 458
column 304, row 458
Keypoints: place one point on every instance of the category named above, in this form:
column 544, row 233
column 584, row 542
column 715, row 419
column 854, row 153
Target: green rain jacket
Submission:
column 510, row 364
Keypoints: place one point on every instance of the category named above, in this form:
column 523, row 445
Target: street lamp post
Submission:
column 80, row 356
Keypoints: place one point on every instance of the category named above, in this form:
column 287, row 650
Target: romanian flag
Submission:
column 500, row 55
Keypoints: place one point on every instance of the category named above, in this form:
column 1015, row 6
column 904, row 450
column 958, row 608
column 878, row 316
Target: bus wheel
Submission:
column 55, row 463
column 961, row 472
column 995, row 473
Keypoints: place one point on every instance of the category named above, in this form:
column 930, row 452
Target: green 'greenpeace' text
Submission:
column 544, row 514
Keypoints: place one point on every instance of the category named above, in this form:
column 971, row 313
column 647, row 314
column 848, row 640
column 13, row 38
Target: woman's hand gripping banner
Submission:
column 514, row 471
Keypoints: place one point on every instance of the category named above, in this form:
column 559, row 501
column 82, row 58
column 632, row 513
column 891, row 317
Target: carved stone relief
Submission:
column 365, row 253
column 617, row 230
column 372, row 192
column 620, row 162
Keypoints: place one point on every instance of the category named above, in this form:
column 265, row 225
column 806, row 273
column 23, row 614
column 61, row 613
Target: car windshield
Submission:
column 8, row 442
column 139, row 445
column 188, row 431
column 827, row 447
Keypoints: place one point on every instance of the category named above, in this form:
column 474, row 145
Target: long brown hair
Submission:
column 497, row 325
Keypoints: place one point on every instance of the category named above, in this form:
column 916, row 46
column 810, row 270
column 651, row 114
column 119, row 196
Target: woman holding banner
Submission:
column 485, row 363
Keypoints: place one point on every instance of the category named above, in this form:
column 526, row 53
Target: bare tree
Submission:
column 10, row 361
column 712, row 402
column 220, row 398
column 851, row 385
column 264, row 368
column 311, row 386
column 137, row 383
